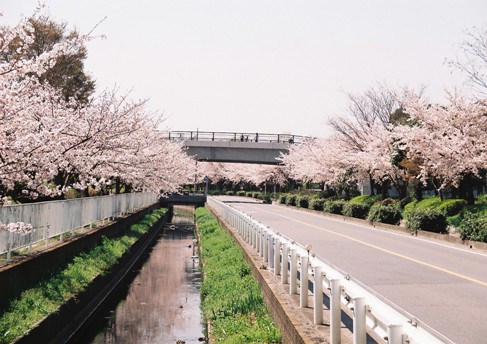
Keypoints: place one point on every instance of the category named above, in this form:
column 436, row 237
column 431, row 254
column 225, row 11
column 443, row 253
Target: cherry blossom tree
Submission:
column 365, row 137
column 448, row 140
column 238, row 173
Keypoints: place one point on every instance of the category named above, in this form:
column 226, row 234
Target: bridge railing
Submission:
column 234, row 136
column 298, row 265
column 56, row 218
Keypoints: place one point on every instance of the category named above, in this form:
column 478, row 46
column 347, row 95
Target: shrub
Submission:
column 385, row 214
column 256, row 195
column 241, row 193
column 248, row 194
column 302, row 202
column 291, row 200
column 333, row 207
column 426, row 219
column 473, row 227
column 267, row 199
column 283, row 199
column 229, row 193
column 316, row 204
column 356, row 210
column 452, row 207
column 365, row 199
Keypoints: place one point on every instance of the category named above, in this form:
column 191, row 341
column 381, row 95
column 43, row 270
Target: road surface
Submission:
column 443, row 285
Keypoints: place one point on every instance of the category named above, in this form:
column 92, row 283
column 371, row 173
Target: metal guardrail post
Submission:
column 284, row 263
column 303, row 294
column 258, row 239
column 277, row 256
column 270, row 249
column 335, row 311
column 265, row 248
column 318, row 296
column 293, row 276
column 394, row 334
column 359, row 317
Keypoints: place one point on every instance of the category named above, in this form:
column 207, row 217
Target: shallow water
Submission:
column 162, row 303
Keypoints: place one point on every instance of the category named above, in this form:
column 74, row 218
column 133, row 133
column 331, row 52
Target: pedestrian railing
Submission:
column 299, row 266
column 57, row 218
column 233, row 136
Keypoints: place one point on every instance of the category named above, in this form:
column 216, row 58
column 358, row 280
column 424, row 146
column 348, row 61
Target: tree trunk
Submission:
column 466, row 189
column 118, row 185
column 371, row 182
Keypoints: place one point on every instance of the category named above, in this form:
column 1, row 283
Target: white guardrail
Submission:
column 55, row 218
column 298, row 266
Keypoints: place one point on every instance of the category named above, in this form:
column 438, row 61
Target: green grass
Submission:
column 231, row 297
column 51, row 293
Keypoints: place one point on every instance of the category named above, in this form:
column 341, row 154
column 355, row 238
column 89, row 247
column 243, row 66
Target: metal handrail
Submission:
column 56, row 218
column 369, row 309
column 234, row 136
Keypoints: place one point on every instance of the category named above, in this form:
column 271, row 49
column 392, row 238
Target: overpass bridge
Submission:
column 253, row 148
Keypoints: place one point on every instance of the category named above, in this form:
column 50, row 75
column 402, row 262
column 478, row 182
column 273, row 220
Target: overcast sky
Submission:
column 264, row 66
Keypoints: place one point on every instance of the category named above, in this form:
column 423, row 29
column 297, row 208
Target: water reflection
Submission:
column 163, row 301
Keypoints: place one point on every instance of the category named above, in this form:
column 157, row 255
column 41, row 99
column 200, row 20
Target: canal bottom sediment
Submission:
column 162, row 303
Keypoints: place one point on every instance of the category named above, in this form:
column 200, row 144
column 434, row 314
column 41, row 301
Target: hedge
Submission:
column 426, row 219
column 316, row 204
column 473, row 227
column 385, row 214
column 291, row 200
column 334, row 207
column 356, row 210
column 302, row 201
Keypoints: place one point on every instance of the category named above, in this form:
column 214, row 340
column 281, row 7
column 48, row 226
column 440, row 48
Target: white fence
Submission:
column 55, row 218
column 298, row 266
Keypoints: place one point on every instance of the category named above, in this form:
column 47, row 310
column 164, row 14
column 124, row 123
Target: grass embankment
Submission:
column 51, row 293
column 232, row 301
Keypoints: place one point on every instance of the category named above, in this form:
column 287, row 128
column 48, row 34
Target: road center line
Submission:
column 417, row 261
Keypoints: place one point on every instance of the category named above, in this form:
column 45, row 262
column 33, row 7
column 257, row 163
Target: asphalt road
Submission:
column 443, row 285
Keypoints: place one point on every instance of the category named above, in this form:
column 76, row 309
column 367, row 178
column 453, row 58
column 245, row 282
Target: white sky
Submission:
column 260, row 65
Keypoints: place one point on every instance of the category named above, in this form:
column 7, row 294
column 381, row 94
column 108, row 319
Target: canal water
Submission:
column 162, row 303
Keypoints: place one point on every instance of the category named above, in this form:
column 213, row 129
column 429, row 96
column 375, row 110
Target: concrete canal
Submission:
column 161, row 304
